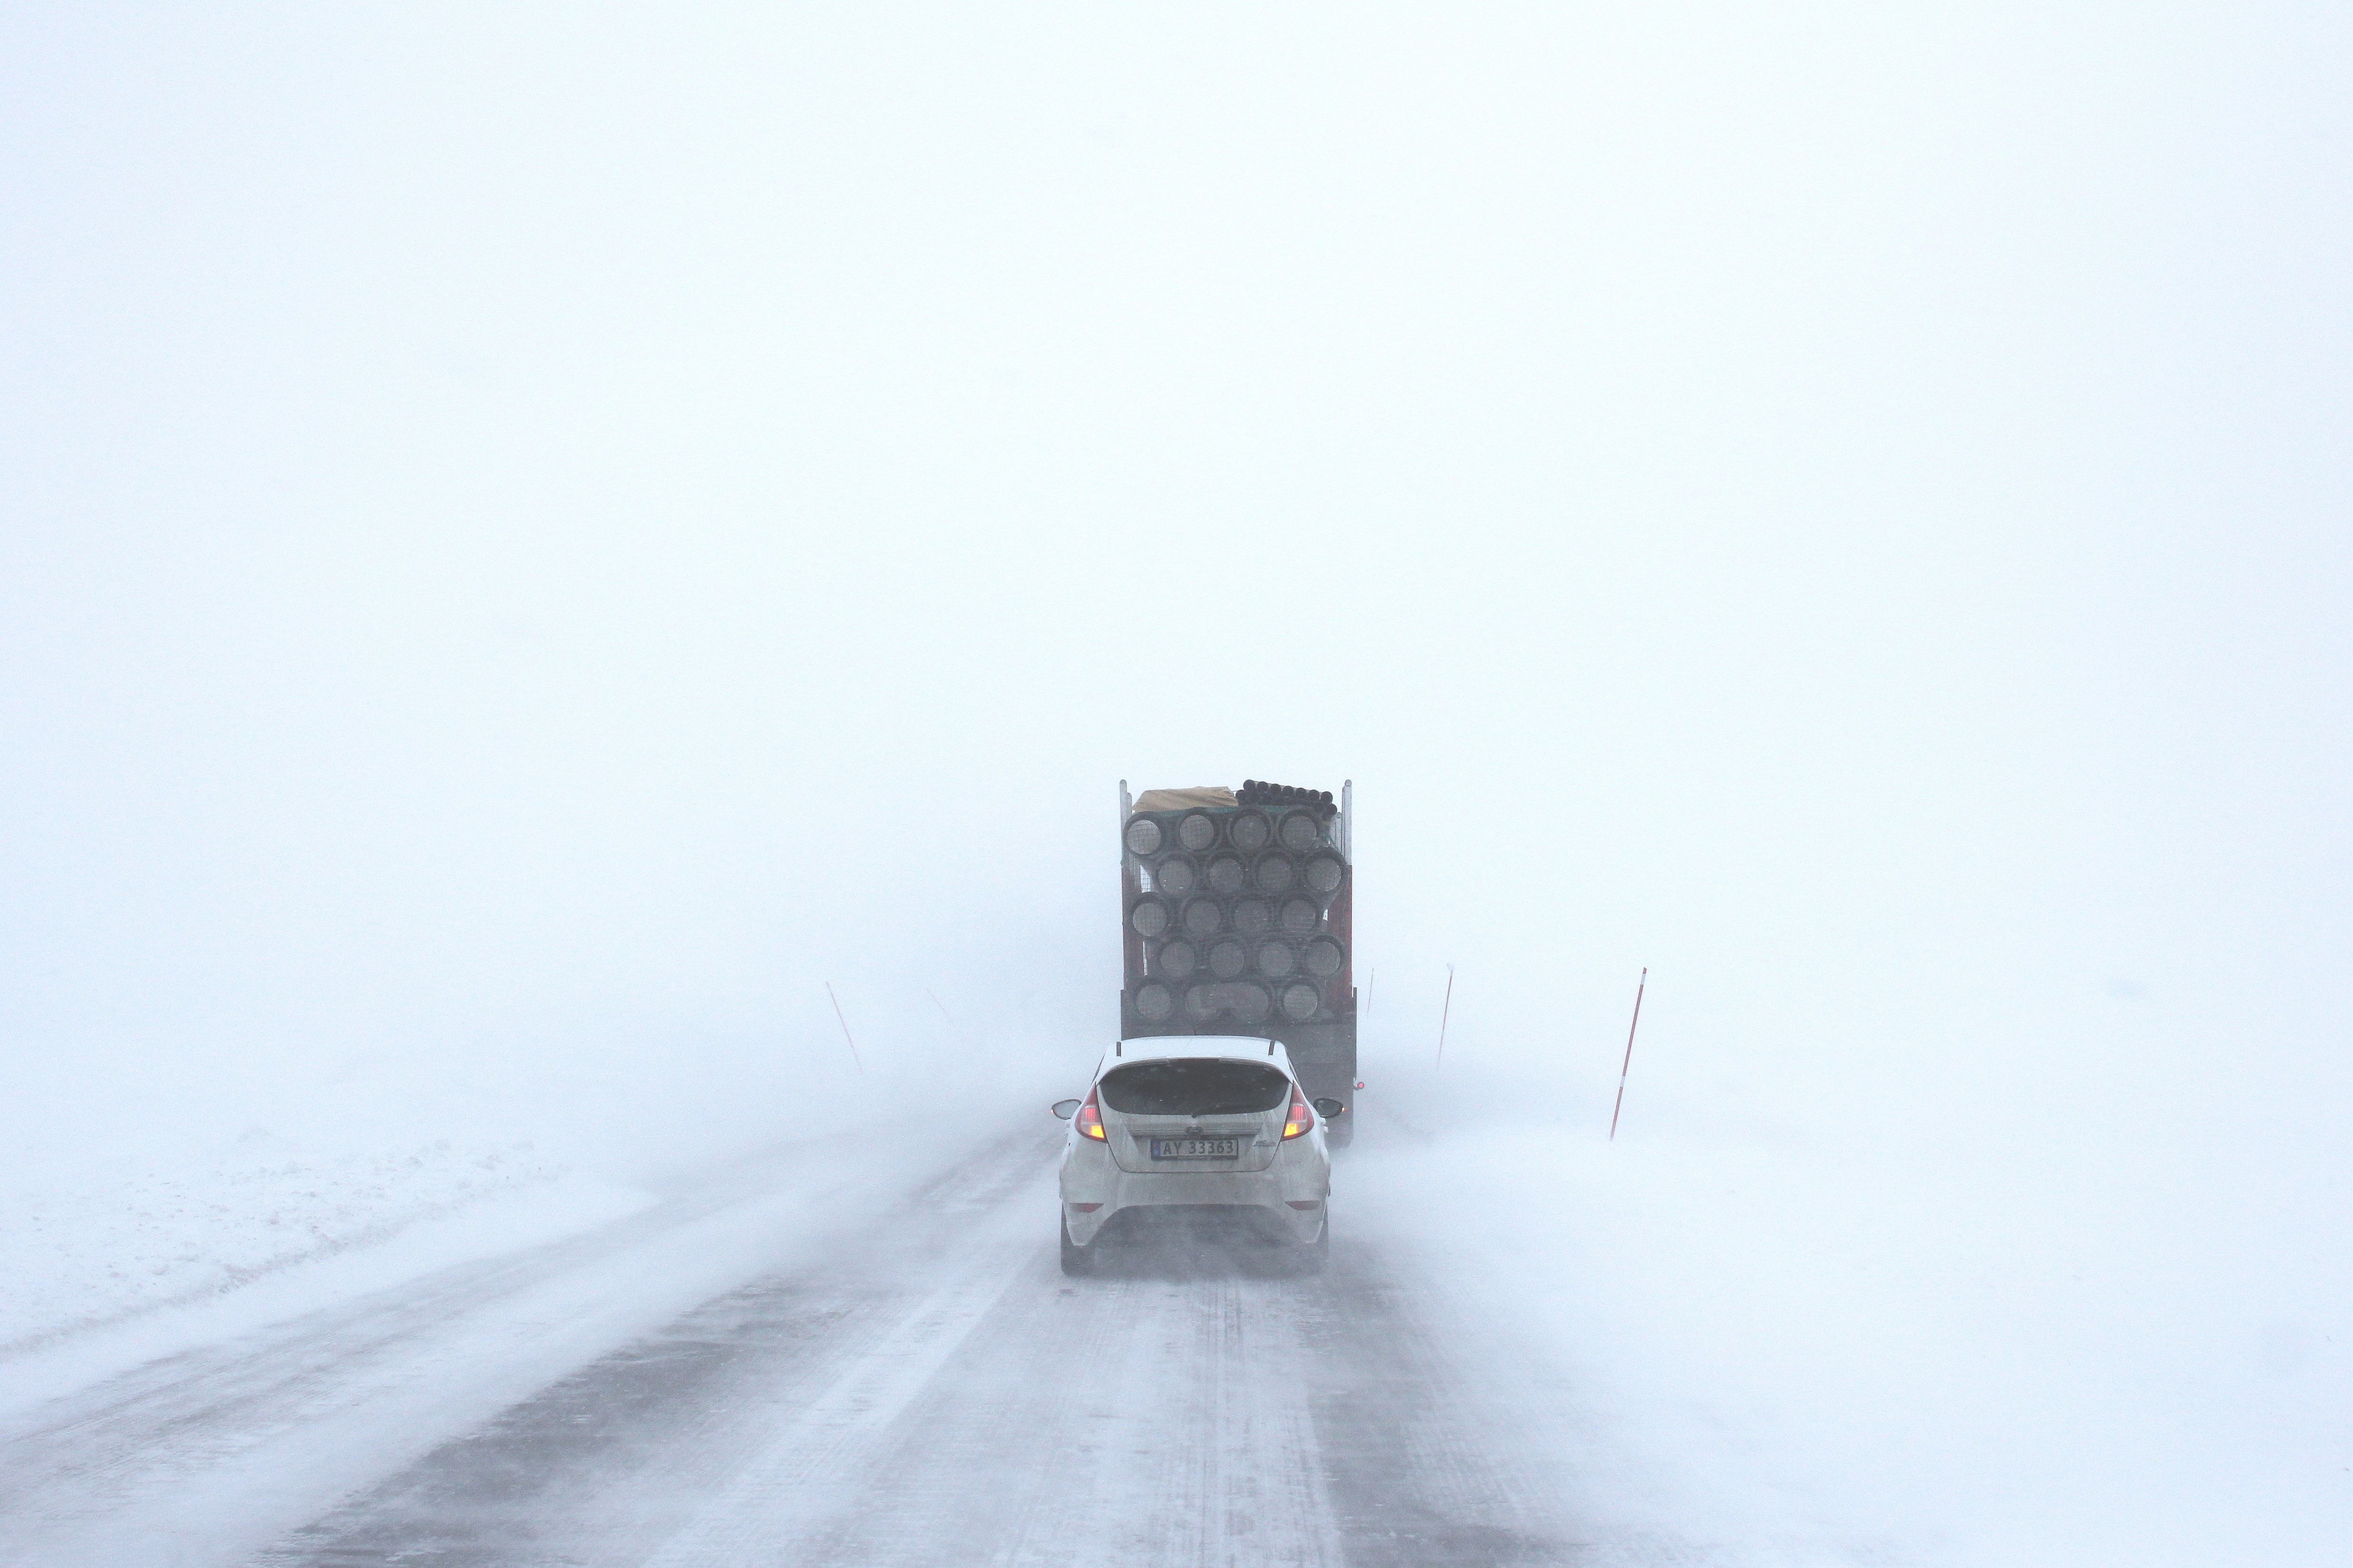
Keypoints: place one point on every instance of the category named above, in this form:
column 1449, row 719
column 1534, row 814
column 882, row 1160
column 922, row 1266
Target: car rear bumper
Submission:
column 1264, row 1200
column 1183, row 1226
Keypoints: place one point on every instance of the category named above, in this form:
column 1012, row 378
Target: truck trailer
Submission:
column 1237, row 919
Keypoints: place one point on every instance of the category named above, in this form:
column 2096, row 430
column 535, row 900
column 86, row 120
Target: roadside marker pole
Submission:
column 937, row 1003
column 845, row 1028
column 1443, row 1012
column 1628, row 1062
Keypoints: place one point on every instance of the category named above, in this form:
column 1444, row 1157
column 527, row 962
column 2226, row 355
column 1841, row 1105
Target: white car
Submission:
column 1185, row 1132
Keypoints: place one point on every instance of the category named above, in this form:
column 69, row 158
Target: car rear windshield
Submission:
column 1194, row 1085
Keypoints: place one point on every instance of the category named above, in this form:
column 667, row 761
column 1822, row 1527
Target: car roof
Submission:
column 1201, row 1045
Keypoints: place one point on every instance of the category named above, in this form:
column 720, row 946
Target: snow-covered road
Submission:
column 717, row 1381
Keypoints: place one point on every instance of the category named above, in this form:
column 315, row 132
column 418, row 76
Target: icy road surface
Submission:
column 691, row 1385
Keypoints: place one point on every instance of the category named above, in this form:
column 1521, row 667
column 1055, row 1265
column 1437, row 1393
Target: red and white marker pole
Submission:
column 1628, row 1062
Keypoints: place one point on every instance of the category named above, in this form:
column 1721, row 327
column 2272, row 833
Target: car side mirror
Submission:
column 1328, row 1107
column 1064, row 1108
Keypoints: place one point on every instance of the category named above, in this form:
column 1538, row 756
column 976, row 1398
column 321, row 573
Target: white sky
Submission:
column 536, row 534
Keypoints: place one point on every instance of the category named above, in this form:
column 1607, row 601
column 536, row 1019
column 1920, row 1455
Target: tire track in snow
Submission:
column 929, row 1391
column 202, row 1457
column 947, row 1397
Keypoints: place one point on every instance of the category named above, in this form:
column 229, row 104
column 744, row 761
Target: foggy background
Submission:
column 536, row 537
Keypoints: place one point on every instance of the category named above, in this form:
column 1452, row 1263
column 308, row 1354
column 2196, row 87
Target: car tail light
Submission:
column 1090, row 1120
column 1300, row 1119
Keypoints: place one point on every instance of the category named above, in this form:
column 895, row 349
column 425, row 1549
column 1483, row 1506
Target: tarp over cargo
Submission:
column 1195, row 799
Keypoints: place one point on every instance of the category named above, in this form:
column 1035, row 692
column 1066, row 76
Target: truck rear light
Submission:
column 1294, row 1125
column 1294, row 1202
column 1090, row 1208
column 1089, row 1120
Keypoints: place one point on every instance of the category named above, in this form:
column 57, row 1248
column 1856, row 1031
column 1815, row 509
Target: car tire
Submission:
column 1077, row 1261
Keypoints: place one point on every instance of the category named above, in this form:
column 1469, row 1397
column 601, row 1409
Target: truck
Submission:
column 1238, row 919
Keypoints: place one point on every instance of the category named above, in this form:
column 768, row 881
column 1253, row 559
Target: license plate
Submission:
column 1197, row 1148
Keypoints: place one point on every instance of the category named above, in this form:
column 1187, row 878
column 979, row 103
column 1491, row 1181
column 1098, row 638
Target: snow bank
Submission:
column 1767, row 1350
column 127, row 1194
column 93, row 1241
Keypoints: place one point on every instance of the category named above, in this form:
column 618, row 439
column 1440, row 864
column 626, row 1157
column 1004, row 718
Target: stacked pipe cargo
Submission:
column 1238, row 913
